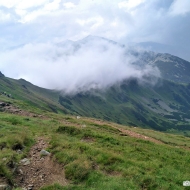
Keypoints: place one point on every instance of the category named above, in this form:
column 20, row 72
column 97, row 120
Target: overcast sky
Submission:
column 24, row 23
column 163, row 21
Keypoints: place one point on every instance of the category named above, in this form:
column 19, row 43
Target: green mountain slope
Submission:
column 165, row 106
column 94, row 154
column 31, row 95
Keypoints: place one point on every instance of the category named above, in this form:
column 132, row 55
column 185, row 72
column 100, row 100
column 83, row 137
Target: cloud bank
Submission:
column 127, row 21
column 32, row 33
column 74, row 66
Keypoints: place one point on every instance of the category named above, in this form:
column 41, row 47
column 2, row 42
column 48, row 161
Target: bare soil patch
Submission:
column 139, row 136
column 41, row 171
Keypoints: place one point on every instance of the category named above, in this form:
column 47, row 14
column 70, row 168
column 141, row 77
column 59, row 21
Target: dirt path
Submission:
column 41, row 170
column 139, row 136
column 128, row 132
column 99, row 122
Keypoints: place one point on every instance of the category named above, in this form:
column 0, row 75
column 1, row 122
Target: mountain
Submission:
column 179, row 51
column 171, row 67
column 29, row 95
column 89, row 151
column 1, row 74
column 164, row 105
column 86, row 153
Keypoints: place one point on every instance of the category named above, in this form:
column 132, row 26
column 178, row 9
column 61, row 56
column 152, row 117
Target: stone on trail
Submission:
column 44, row 153
column 3, row 186
column 25, row 161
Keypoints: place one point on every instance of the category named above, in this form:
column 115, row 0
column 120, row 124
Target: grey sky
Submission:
column 163, row 21
column 37, row 23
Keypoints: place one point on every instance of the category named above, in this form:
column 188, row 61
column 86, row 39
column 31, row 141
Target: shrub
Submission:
column 15, row 121
column 69, row 130
column 77, row 170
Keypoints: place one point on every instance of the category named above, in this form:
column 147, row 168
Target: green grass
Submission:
column 97, row 156
column 130, row 103
column 120, row 162
column 93, row 153
column 13, row 136
column 137, row 105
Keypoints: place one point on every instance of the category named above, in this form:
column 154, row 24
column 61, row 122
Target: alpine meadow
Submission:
column 94, row 95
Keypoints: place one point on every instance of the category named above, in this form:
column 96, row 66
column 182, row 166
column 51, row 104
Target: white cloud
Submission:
column 69, row 5
column 130, row 4
column 180, row 7
column 93, row 22
column 20, row 12
column 22, row 4
column 9, row 3
column 27, row 17
column 125, row 21
column 96, row 64
column 53, row 5
column 4, row 16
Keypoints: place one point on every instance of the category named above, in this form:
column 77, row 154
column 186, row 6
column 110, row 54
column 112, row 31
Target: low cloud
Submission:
column 74, row 66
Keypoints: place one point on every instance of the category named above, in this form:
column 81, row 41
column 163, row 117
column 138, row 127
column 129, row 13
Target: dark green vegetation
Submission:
column 32, row 97
column 95, row 155
column 163, row 107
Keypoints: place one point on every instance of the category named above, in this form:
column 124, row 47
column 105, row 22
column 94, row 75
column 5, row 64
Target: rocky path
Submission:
column 10, row 108
column 39, row 170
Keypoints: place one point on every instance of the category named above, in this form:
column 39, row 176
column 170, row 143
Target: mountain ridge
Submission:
column 161, row 107
column 170, row 66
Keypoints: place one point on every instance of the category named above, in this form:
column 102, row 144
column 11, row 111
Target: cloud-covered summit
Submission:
column 37, row 37
column 91, row 63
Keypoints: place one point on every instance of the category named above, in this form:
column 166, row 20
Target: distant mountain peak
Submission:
column 91, row 38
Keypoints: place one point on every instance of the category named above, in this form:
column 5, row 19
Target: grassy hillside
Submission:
column 163, row 107
column 96, row 154
column 32, row 97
